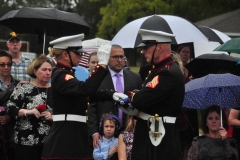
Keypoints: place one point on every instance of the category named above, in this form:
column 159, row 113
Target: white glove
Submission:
column 103, row 53
column 117, row 96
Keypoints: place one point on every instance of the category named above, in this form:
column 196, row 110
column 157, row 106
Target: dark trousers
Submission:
column 23, row 152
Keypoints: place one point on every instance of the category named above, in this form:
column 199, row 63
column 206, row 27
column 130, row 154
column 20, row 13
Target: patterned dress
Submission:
column 29, row 130
column 207, row 148
column 128, row 140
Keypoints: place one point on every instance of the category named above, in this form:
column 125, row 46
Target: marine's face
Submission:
column 76, row 57
column 147, row 52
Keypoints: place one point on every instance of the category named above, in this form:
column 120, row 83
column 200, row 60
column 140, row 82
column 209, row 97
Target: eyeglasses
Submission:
column 2, row 65
column 77, row 53
column 117, row 57
column 14, row 42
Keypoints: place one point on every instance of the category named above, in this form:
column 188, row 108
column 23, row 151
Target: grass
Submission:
column 134, row 68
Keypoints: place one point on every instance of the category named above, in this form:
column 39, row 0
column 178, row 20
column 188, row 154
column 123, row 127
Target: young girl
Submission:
column 109, row 129
column 92, row 61
column 125, row 139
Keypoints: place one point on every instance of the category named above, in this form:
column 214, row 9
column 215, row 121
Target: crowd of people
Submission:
column 53, row 109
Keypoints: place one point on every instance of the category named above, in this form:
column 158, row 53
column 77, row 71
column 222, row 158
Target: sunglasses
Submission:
column 2, row 65
column 77, row 53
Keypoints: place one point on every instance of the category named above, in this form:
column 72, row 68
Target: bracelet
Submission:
column 25, row 113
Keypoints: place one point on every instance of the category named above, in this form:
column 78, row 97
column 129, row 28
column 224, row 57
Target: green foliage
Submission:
column 196, row 10
column 117, row 13
column 107, row 17
column 90, row 10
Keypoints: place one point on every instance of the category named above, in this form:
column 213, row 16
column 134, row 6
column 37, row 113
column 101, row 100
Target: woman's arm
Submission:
column 234, row 118
column 122, row 154
column 25, row 112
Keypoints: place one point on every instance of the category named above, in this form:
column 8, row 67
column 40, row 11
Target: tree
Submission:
column 117, row 13
column 196, row 10
column 90, row 11
column 120, row 12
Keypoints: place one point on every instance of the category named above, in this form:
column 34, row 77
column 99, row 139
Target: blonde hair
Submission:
column 54, row 52
column 36, row 64
column 177, row 58
column 130, row 124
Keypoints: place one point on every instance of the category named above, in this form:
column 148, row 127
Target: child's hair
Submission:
column 112, row 118
column 130, row 124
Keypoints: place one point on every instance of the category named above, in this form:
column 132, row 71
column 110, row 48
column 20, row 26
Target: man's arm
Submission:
column 4, row 96
column 93, row 124
column 233, row 118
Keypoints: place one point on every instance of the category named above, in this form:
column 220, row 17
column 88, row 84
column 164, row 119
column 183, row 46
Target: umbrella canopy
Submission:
column 213, row 64
column 45, row 21
column 214, row 35
column 51, row 21
column 231, row 46
column 222, row 90
column 184, row 30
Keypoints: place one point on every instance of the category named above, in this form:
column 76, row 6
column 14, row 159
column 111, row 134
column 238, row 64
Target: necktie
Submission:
column 119, row 88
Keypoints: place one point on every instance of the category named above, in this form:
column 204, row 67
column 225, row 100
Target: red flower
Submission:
column 41, row 107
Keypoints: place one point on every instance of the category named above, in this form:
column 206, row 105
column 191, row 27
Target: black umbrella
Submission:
column 45, row 21
column 213, row 64
column 214, row 35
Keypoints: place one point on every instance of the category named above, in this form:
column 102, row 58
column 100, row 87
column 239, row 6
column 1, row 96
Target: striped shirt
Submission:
column 19, row 71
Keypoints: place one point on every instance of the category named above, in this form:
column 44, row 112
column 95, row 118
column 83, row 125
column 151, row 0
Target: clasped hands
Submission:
column 46, row 114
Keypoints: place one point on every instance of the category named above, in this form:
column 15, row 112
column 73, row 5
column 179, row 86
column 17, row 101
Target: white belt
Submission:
column 69, row 117
column 166, row 119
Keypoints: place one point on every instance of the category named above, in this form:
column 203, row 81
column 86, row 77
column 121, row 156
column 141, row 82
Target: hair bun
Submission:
column 50, row 50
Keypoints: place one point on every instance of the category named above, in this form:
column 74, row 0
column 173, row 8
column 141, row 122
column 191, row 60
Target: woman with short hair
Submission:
column 30, row 105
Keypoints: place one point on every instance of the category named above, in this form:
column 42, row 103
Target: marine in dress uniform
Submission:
column 68, row 137
column 158, row 102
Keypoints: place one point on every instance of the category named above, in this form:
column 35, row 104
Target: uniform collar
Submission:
column 163, row 62
column 62, row 66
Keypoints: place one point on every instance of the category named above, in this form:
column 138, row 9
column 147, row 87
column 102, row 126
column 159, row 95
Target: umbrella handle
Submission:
column 221, row 117
column 44, row 37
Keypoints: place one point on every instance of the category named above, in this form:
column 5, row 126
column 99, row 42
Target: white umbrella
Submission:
column 214, row 35
column 183, row 29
